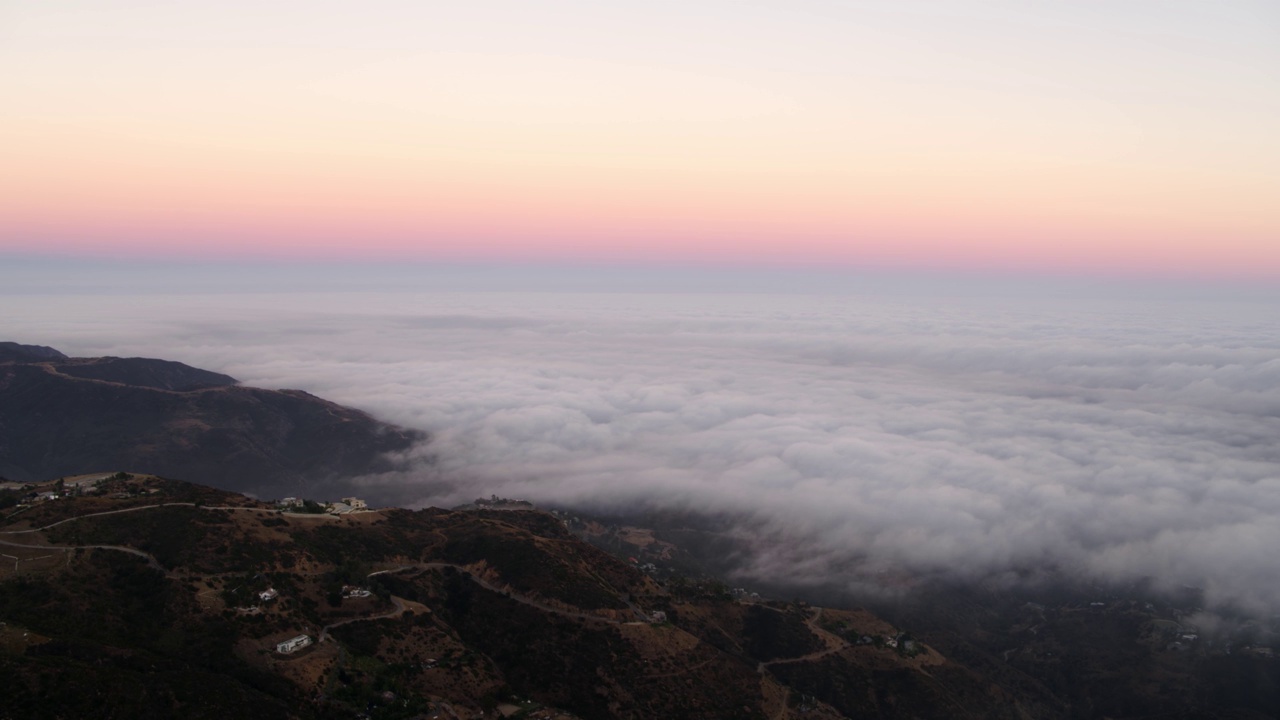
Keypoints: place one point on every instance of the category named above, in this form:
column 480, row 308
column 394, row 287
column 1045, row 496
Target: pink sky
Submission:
column 874, row 136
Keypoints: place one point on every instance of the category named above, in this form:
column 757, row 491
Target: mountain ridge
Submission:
column 62, row 416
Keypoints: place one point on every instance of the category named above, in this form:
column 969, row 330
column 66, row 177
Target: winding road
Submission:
column 160, row 505
column 522, row 599
column 834, row 643
column 399, row 603
column 151, row 560
column 97, row 514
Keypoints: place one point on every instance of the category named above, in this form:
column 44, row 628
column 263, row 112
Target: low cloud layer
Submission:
column 1119, row 440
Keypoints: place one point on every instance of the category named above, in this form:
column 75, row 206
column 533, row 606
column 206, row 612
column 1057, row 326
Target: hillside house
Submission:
column 293, row 645
column 268, row 595
column 351, row 591
column 290, row 502
column 356, row 503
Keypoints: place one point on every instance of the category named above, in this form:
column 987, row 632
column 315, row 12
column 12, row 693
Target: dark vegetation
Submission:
column 62, row 417
column 771, row 634
column 1101, row 659
column 147, row 373
column 591, row 668
column 15, row 352
column 125, row 645
column 535, row 614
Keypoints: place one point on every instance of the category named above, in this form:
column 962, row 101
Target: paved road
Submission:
column 160, row 505
column 324, row 632
column 80, row 517
column 522, row 599
column 834, row 644
column 151, row 560
column 68, row 548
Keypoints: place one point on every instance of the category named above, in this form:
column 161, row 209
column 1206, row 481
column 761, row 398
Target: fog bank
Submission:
column 861, row 434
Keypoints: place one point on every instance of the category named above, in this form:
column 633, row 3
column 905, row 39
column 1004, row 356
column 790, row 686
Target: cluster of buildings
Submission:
column 351, row 591
column 342, row 507
column 61, row 489
column 346, row 505
column 896, row 642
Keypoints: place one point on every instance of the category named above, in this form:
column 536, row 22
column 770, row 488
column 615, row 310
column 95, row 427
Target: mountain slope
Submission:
column 61, row 417
column 15, row 352
column 144, row 372
column 151, row 584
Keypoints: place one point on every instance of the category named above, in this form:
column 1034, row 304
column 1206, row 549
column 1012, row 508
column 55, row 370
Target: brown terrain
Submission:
column 463, row 614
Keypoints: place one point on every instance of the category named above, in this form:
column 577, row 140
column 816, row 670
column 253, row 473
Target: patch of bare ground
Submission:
column 643, row 539
column 658, row 641
column 15, row 639
column 16, row 561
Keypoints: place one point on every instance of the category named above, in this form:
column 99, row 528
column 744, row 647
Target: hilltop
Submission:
column 61, row 416
column 135, row 595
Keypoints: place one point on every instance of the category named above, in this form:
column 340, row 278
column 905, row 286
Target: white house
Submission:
column 293, row 644
column 355, row 503
column 351, row 591
column 268, row 594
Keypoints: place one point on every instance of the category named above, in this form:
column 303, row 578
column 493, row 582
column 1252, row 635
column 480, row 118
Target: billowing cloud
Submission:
column 851, row 435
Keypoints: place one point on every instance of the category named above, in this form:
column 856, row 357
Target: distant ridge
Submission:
column 15, row 352
column 146, row 372
column 61, row 416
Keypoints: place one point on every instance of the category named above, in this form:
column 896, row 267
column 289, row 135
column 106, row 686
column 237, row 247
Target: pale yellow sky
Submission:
column 969, row 132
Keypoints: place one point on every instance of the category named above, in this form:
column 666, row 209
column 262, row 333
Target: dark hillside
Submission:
column 15, row 352
column 66, row 417
column 145, row 372
column 151, row 595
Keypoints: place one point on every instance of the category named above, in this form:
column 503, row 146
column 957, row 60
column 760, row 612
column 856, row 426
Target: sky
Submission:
column 1125, row 137
column 963, row 289
column 852, row 437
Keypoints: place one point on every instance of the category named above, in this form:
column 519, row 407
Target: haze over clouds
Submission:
column 975, row 438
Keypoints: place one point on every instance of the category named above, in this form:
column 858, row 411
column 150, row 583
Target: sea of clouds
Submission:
column 853, row 435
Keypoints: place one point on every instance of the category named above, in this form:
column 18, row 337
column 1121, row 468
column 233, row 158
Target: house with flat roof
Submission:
column 293, row 645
